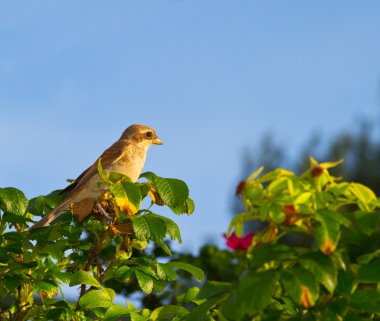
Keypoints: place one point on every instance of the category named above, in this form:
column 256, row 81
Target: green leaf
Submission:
column 190, row 206
column 195, row 271
column 301, row 286
column 115, row 312
column 149, row 226
column 367, row 221
column 13, row 201
column 322, row 267
column 199, row 313
column 165, row 272
column 364, row 194
column 346, row 282
column 172, row 228
column 165, row 248
column 13, row 218
column 95, row 299
column 366, row 258
column 173, row 192
column 272, row 253
column 133, row 193
column 255, row 291
column 83, row 277
column 366, row 300
column 212, row 288
column 327, row 234
column 167, row 311
column 145, row 281
column 189, row 296
column 102, row 174
column 370, row 273
column 123, row 273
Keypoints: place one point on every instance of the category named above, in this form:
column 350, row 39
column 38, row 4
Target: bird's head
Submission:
column 142, row 135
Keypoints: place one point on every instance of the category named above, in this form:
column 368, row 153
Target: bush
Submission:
column 303, row 264
column 306, row 261
column 101, row 256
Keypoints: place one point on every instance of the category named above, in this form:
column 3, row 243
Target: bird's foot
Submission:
column 103, row 212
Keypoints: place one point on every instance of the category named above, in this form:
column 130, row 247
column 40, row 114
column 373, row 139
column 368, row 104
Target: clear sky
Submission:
column 210, row 76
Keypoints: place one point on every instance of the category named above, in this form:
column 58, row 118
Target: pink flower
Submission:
column 239, row 243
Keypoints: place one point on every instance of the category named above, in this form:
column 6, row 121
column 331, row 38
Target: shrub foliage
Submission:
column 304, row 262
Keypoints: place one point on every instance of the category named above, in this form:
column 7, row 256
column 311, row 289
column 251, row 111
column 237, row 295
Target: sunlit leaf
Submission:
column 13, row 201
column 195, row 271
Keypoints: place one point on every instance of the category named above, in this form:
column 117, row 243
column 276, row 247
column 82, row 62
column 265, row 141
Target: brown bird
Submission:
column 127, row 156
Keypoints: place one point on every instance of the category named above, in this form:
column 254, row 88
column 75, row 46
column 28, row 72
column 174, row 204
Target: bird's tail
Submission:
column 47, row 219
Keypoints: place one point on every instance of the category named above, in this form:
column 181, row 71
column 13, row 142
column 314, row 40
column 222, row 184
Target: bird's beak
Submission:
column 158, row 141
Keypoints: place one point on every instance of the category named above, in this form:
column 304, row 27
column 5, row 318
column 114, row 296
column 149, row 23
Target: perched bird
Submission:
column 127, row 156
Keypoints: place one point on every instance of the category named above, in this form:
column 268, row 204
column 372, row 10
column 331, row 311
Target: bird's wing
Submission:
column 109, row 156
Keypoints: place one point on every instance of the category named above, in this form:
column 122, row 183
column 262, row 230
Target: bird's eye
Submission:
column 148, row 134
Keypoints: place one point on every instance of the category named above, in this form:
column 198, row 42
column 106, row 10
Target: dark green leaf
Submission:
column 367, row 300
column 301, row 286
column 255, row 291
column 212, row 288
column 272, row 253
column 173, row 192
column 149, row 226
column 367, row 221
column 370, row 273
column 322, row 267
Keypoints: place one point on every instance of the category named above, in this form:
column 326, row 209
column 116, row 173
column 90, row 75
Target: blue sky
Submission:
column 210, row 76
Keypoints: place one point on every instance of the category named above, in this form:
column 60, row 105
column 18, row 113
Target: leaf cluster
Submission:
column 99, row 257
column 320, row 279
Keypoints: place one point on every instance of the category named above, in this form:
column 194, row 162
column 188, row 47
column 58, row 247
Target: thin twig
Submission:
column 103, row 212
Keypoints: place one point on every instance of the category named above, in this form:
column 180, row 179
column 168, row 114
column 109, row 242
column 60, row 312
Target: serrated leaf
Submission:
column 172, row 228
column 95, row 299
column 301, row 286
column 83, row 277
column 13, row 201
column 149, row 226
column 145, row 281
column 173, row 192
column 195, row 271
column 255, row 291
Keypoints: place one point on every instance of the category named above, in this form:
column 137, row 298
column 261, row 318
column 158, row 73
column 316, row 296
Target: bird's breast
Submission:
column 130, row 163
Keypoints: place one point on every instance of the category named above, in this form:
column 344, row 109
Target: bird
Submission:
column 126, row 156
